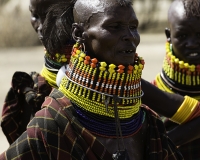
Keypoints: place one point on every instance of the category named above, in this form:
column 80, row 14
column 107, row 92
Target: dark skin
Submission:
column 169, row 102
column 185, row 39
column 183, row 34
column 38, row 9
column 101, row 31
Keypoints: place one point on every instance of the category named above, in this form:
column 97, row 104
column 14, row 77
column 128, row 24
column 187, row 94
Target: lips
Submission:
column 193, row 57
column 128, row 51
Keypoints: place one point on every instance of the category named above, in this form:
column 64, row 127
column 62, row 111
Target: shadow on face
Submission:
column 184, row 33
column 108, row 35
column 38, row 9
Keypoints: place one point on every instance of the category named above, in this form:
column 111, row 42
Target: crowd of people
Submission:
column 90, row 102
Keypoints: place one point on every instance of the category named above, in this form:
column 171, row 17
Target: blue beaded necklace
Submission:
column 105, row 126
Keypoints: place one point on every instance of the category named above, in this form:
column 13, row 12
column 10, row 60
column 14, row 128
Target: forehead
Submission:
column 176, row 12
column 84, row 10
column 115, row 13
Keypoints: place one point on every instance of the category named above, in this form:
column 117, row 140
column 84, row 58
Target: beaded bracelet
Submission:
column 185, row 110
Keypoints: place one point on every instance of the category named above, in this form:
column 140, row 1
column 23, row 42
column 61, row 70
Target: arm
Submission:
column 162, row 102
column 167, row 104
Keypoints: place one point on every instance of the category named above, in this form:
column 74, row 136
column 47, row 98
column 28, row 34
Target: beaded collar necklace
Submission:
column 57, row 60
column 53, row 63
column 105, row 126
column 96, row 87
column 108, row 91
column 179, row 76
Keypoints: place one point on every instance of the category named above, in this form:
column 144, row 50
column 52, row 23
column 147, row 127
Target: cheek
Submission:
column 177, row 49
column 98, row 38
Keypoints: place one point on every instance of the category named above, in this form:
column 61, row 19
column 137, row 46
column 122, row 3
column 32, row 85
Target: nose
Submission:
column 39, row 31
column 193, row 42
column 131, row 36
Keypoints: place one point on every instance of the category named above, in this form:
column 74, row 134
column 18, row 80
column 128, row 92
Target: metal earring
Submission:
column 79, row 40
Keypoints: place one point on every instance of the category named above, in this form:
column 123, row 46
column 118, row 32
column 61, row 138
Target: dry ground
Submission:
column 29, row 59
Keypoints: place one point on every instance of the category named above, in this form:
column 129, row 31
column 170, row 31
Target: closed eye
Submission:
column 114, row 25
column 133, row 27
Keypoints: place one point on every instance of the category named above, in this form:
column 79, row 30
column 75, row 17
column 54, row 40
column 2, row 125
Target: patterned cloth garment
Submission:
column 55, row 133
column 23, row 100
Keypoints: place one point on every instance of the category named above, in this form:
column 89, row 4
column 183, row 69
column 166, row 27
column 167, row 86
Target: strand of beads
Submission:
column 179, row 71
column 97, row 107
column 105, row 79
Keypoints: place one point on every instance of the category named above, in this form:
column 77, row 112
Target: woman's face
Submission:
column 38, row 9
column 112, row 36
column 185, row 39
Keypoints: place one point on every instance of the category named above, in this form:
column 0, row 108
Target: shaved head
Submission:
column 84, row 9
column 180, row 8
column 183, row 34
column 175, row 11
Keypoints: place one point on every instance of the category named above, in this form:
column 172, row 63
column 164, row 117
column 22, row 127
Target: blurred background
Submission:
column 16, row 30
column 20, row 49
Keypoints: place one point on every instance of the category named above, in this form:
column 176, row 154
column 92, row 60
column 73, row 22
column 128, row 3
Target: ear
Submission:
column 78, row 33
column 167, row 33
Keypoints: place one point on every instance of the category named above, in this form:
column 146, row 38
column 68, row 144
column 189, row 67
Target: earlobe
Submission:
column 167, row 33
column 78, row 32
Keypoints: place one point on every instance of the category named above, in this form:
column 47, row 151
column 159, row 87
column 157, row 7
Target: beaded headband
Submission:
column 93, row 85
column 178, row 74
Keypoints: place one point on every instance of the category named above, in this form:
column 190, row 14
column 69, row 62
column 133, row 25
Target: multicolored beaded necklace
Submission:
column 57, row 60
column 53, row 63
column 181, row 77
column 103, row 95
column 91, row 85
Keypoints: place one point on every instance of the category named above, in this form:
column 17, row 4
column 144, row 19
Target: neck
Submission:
column 97, row 87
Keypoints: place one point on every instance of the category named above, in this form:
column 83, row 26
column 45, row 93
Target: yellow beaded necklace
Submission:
column 178, row 76
column 92, row 85
column 53, row 63
column 179, row 71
